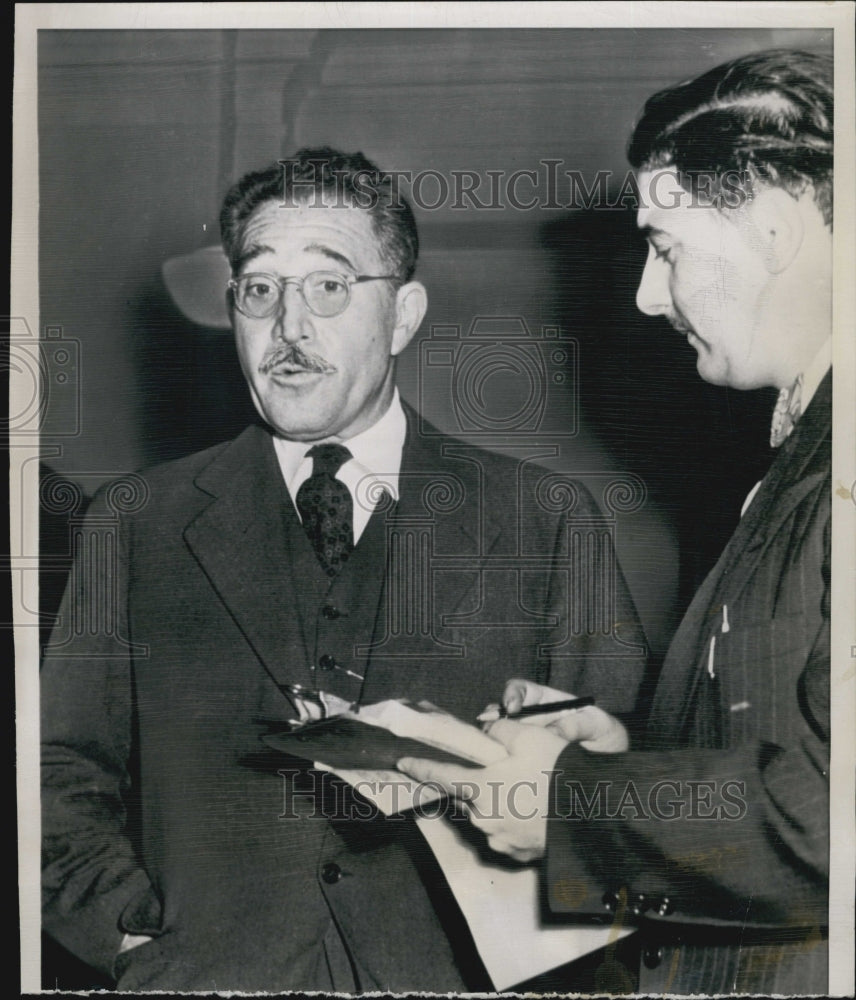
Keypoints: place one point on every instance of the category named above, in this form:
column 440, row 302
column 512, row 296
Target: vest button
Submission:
column 665, row 907
column 652, row 955
column 327, row 662
column 330, row 612
column 331, row 873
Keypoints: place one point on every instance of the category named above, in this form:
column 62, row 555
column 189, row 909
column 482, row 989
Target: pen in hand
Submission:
column 542, row 709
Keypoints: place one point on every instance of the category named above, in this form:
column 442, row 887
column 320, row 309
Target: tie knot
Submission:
column 328, row 458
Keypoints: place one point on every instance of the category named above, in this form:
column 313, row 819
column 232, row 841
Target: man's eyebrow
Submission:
column 257, row 249
column 648, row 231
column 327, row 252
column 253, row 250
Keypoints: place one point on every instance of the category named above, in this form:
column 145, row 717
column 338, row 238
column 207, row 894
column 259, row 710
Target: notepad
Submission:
column 499, row 903
column 362, row 747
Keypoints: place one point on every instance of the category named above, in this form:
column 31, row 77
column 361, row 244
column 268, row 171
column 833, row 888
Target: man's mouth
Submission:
column 684, row 329
column 292, row 360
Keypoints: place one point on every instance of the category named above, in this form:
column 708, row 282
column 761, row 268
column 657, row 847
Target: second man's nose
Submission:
column 653, row 296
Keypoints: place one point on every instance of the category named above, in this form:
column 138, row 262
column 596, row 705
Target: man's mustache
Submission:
column 678, row 323
column 292, row 356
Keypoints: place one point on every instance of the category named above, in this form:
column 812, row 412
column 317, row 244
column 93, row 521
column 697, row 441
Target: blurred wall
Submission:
column 140, row 133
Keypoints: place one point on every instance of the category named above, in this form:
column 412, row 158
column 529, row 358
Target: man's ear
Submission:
column 778, row 227
column 411, row 302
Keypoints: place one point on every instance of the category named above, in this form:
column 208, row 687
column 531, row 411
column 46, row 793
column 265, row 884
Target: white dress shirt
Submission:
column 374, row 467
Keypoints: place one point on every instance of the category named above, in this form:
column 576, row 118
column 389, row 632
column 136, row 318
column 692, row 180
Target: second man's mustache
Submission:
column 294, row 357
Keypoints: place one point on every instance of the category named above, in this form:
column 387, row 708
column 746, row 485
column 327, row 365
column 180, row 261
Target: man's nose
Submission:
column 293, row 320
column 653, row 296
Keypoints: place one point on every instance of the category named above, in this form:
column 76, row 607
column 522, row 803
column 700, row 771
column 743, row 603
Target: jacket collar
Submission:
column 239, row 538
column 801, row 464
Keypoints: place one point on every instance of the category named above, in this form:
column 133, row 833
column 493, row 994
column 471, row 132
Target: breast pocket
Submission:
column 758, row 667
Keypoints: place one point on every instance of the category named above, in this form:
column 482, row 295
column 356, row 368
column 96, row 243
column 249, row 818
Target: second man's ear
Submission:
column 779, row 227
column 411, row 303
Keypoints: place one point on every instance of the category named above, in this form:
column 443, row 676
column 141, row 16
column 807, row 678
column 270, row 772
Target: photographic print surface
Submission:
column 526, row 465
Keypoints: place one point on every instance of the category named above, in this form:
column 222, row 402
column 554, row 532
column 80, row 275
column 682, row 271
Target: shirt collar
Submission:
column 376, row 455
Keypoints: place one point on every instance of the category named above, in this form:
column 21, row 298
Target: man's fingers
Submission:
column 514, row 696
column 527, row 741
column 519, row 692
column 490, row 713
column 593, row 728
column 454, row 780
column 574, row 726
column 504, row 731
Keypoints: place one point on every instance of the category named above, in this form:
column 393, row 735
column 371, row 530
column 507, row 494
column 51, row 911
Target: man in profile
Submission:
column 712, row 831
column 295, row 561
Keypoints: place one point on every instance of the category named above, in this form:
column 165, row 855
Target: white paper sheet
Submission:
column 501, row 907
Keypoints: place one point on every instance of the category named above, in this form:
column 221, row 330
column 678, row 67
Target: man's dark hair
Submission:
column 325, row 176
column 765, row 118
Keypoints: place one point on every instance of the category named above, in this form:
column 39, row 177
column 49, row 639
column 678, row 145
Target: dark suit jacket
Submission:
column 158, row 817
column 737, row 902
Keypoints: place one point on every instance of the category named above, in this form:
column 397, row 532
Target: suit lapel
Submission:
column 795, row 472
column 440, row 485
column 439, row 499
column 239, row 541
column 442, row 481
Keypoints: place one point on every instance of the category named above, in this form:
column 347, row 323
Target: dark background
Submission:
column 141, row 132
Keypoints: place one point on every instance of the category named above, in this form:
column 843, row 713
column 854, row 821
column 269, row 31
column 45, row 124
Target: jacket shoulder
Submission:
column 540, row 490
column 181, row 481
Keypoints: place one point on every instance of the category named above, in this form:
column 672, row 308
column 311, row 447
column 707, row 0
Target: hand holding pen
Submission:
column 494, row 712
column 576, row 720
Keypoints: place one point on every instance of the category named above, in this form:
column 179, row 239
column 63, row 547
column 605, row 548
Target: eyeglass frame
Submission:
column 301, row 697
column 349, row 281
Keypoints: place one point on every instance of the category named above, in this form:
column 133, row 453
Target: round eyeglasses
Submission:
column 326, row 293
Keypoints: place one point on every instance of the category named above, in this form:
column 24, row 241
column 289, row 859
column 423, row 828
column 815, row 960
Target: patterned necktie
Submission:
column 326, row 507
column 787, row 412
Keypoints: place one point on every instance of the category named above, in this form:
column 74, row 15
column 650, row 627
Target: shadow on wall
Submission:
column 190, row 386
column 699, row 448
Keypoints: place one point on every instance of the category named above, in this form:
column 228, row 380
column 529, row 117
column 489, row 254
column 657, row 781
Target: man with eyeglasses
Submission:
column 289, row 572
